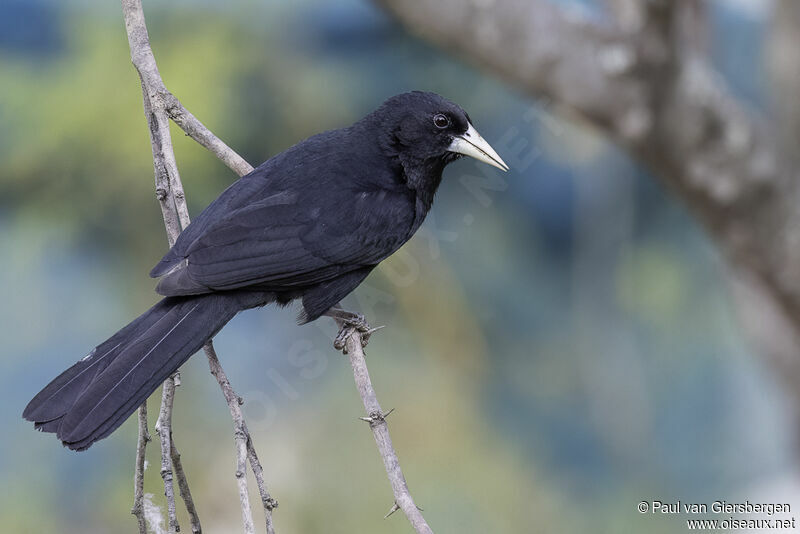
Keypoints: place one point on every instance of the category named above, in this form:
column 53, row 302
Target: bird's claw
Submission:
column 340, row 343
column 351, row 325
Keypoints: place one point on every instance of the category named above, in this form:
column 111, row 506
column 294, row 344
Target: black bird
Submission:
column 310, row 223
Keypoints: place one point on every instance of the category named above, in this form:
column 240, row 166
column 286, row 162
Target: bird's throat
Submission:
column 423, row 177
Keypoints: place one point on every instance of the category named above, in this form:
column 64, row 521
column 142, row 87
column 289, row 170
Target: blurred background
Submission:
column 561, row 339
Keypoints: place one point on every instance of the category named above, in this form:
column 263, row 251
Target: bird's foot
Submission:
column 350, row 323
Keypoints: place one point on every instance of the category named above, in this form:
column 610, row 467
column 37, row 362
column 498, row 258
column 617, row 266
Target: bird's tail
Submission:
column 88, row 401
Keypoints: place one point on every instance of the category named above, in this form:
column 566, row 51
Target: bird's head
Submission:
column 425, row 130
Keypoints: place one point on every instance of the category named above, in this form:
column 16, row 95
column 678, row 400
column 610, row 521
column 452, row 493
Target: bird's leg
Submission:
column 353, row 319
column 350, row 322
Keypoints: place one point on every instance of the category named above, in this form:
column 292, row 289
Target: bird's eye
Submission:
column 441, row 120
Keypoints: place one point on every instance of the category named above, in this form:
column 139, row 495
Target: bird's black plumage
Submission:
column 309, row 223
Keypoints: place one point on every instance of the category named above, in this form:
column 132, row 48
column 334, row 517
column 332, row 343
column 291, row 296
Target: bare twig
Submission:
column 155, row 91
column 186, row 493
column 138, row 479
column 164, row 431
column 159, row 105
column 168, row 186
column 197, row 131
column 244, row 448
column 171, row 461
column 377, row 422
column 267, row 502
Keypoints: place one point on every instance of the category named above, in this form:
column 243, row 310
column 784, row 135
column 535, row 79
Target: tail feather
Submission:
column 59, row 395
column 94, row 397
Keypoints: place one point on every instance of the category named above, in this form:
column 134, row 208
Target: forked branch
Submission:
column 160, row 106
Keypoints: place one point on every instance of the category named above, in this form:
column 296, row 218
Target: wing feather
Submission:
column 295, row 221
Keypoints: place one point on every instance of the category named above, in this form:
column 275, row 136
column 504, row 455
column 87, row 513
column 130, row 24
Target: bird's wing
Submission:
column 236, row 196
column 292, row 238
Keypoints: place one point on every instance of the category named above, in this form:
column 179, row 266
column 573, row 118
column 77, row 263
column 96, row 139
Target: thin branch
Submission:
column 186, row 493
column 267, row 502
column 244, row 448
column 377, row 422
column 138, row 479
column 159, row 105
column 167, row 185
column 164, row 431
column 155, row 90
column 171, row 460
column 197, row 131
column 161, row 100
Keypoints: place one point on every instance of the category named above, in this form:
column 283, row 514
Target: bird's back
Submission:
column 328, row 205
